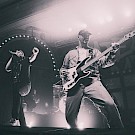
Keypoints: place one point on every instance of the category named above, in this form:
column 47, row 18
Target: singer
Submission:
column 19, row 67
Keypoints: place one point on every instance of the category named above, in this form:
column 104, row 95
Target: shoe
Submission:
column 14, row 122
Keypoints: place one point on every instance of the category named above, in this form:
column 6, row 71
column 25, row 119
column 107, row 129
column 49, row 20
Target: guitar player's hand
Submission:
column 63, row 73
column 66, row 74
column 115, row 47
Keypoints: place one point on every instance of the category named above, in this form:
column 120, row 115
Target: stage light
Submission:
column 109, row 18
column 68, row 127
column 128, row 13
column 61, row 21
column 30, row 124
column 46, row 104
column 101, row 20
column 80, row 126
column 31, row 119
column 69, row 29
column 84, row 26
column 98, row 33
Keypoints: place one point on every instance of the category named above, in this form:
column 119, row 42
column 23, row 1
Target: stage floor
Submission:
column 10, row 130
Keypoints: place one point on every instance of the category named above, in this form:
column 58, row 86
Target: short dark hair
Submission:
column 84, row 33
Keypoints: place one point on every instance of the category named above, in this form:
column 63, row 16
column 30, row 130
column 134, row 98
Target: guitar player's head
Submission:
column 84, row 37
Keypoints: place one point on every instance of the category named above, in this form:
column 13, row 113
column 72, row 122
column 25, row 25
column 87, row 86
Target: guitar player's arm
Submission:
column 33, row 57
column 65, row 66
column 8, row 65
column 110, row 58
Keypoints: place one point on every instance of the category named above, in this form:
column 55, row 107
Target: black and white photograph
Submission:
column 67, row 67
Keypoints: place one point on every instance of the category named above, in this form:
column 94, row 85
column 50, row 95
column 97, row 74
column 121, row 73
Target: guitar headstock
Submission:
column 127, row 36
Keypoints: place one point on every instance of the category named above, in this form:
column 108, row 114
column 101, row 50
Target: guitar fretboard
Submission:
column 126, row 37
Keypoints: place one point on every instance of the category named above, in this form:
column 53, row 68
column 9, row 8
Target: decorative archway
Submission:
column 9, row 39
column 43, row 72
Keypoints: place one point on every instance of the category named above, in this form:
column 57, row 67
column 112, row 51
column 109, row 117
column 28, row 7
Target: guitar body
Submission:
column 75, row 75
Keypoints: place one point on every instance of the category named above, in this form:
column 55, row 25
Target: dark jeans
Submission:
column 100, row 97
column 17, row 109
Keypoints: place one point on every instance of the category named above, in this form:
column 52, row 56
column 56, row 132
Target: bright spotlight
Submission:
column 128, row 13
column 101, row 20
column 80, row 126
column 31, row 120
column 68, row 127
column 109, row 18
column 46, row 104
column 69, row 29
column 30, row 124
column 84, row 26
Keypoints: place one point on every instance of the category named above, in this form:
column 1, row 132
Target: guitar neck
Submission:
column 95, row 59
column 126, row 37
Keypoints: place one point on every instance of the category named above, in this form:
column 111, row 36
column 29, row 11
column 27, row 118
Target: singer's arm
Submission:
column 8, row 65
column 35, row 52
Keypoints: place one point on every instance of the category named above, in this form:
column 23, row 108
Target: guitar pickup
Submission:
column 73, row 75
column 70, row 84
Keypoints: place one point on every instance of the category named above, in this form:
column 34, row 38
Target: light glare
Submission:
column 81, row 126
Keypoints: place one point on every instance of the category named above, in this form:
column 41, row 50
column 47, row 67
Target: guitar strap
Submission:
column 84, row 53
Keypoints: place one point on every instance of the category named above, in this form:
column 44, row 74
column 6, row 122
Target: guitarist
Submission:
column 19, row 67
column 90, row 86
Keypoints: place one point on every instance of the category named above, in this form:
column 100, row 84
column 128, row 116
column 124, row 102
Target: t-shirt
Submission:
column 21, row 70
column 77, row 55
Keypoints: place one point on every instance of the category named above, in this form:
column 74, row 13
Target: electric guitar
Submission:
column 78, row 72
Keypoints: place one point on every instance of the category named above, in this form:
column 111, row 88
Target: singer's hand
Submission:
column 35, row 50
